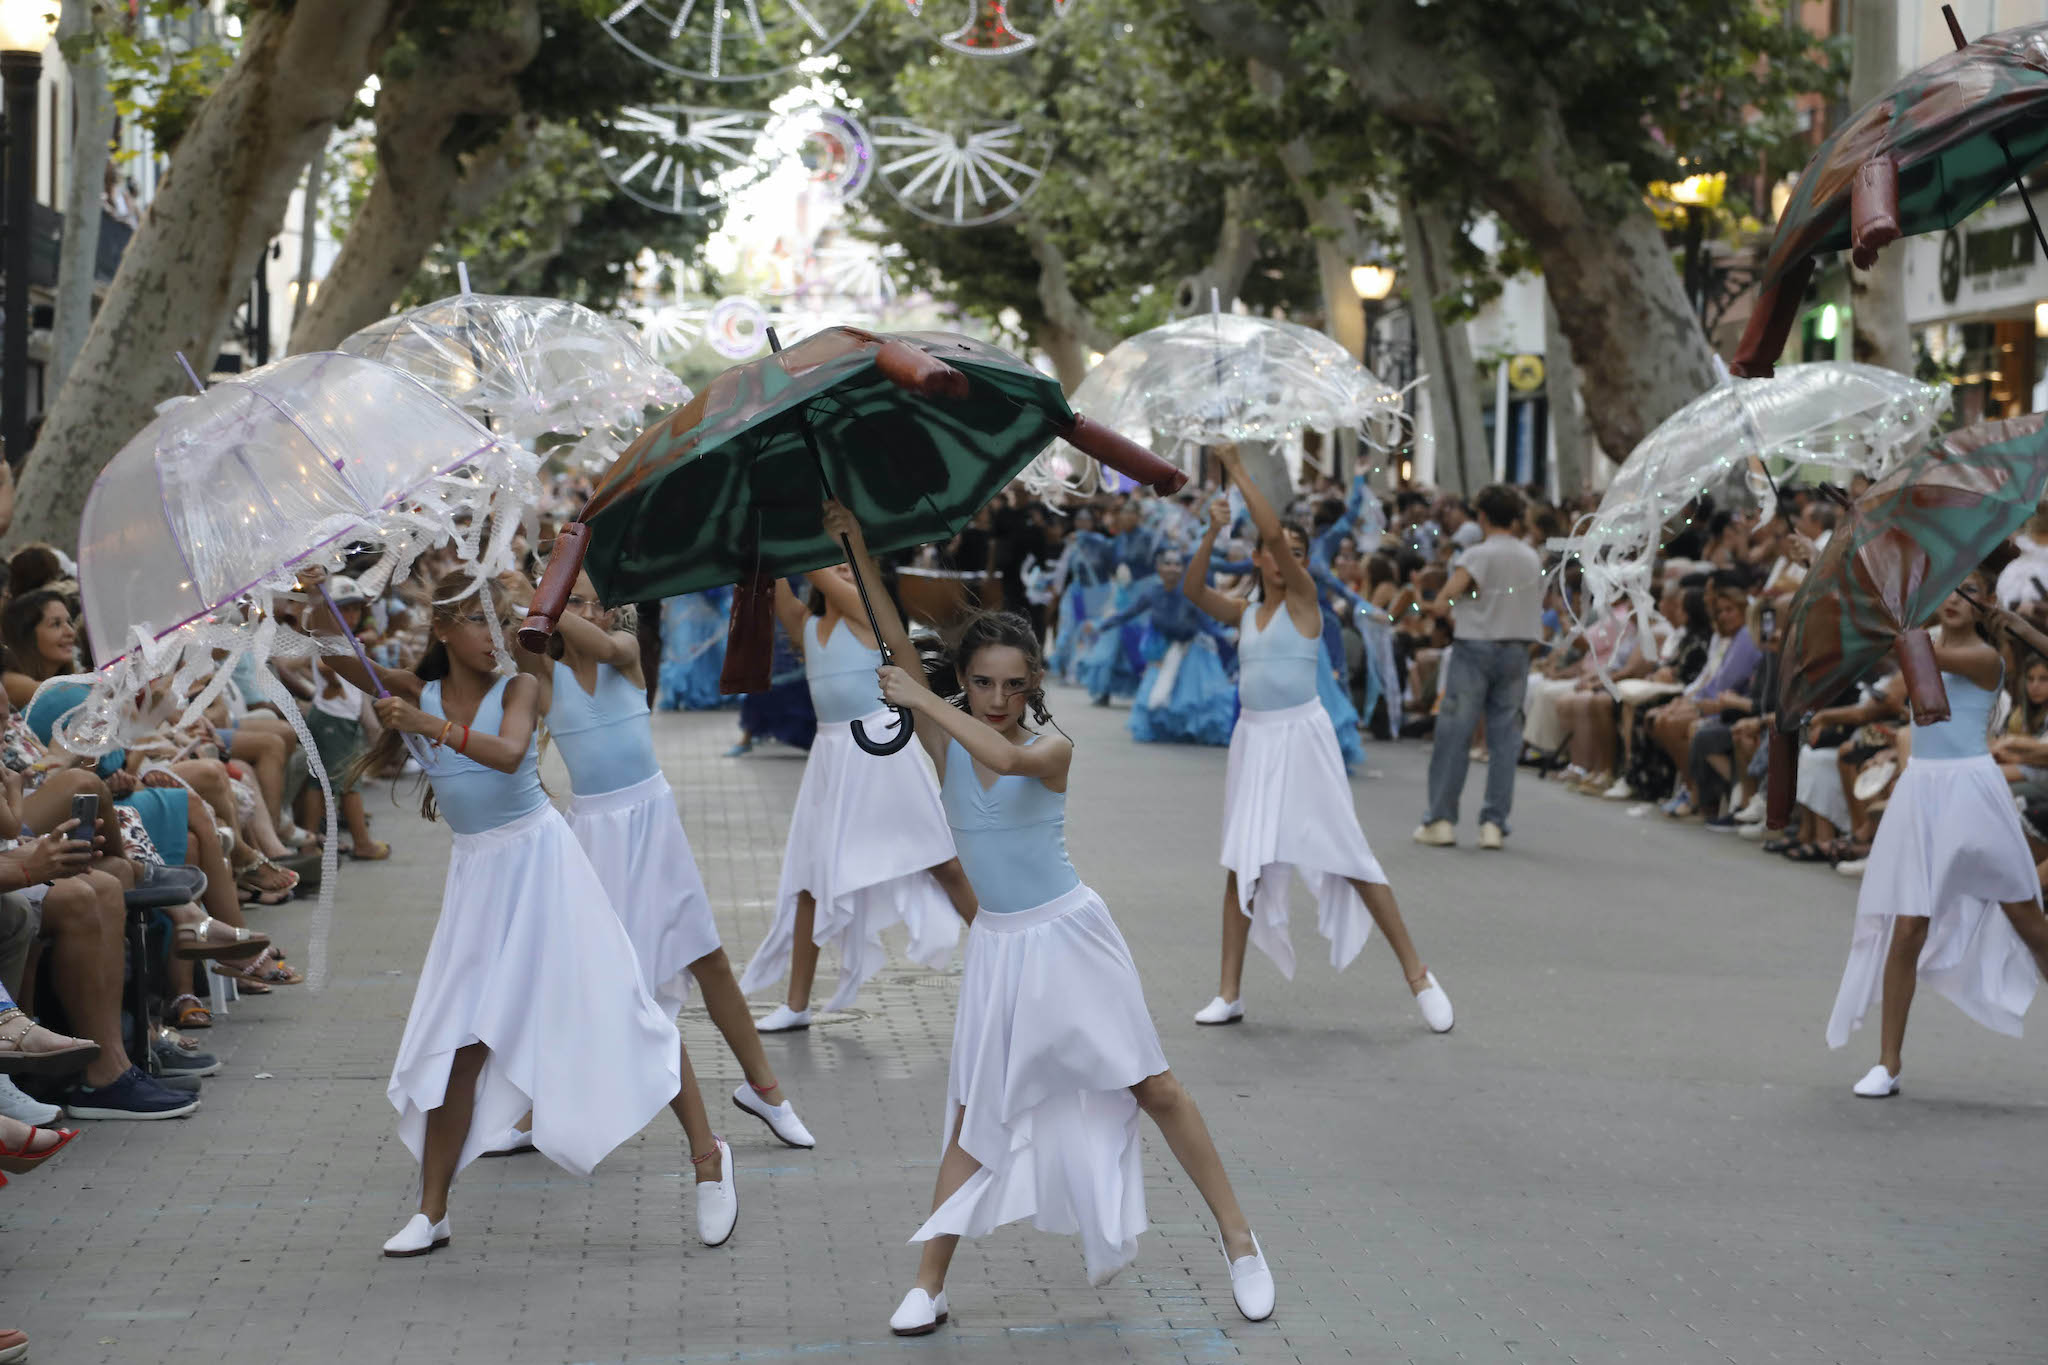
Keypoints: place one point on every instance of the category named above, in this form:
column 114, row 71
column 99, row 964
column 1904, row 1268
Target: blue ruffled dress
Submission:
column 693, row 629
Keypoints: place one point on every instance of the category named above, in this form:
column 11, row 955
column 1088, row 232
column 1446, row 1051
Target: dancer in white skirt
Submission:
column 530, row 999
column 1054, row 1053
column 868, row 845
column 1951, row 895
column 624, row 815
column 1286, row 804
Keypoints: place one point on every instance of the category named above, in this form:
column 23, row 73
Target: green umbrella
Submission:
column 1922, row 156
column 915, row 433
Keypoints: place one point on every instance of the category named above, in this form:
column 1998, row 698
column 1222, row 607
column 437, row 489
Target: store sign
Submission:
column 1988, row 267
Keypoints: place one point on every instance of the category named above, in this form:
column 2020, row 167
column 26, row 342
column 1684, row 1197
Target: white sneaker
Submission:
column 1852, row 867
column 1756, row 833
column 783, row 1020
column 1221, row 1011
column 20, row 1107
column 1492, row 836
column 511, row 1144
column 1434, row 1004
column 419, row 1236
column 780, row 1118
column 1437, row 834
column 718, row 1202
column 919, row 1314
column 1753, row 813
column 1251, row 1283
column 1620, row 791
column 1878, row 1084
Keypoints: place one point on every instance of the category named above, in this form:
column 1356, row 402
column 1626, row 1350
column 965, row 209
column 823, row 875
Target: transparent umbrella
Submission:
column 1221, row 377
column 529, row 368
column 197, row 526
column 1827, row 419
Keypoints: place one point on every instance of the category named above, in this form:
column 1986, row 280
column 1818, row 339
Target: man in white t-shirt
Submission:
column 1495, row 599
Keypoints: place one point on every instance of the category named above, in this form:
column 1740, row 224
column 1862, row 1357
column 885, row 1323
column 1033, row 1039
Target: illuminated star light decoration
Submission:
column 691, row 161
column 962, row 176
column 988, row 31
column 750, row 40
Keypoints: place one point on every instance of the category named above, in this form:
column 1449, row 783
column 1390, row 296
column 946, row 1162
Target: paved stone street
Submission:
column 1635, row 1146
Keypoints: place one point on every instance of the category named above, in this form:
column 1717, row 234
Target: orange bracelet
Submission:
column 442, row 738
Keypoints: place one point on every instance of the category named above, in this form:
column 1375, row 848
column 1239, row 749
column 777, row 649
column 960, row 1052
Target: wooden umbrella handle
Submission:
column 1125, row 456
column 1873, row 210
column 551, row 598
column 1923, row 678
column 919, row 372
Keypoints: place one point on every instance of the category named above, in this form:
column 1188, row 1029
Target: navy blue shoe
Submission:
column 132, row 1095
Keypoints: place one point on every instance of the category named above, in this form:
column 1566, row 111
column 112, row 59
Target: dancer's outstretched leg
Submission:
column 718, row 1201
column 955, row 1168
column 1386, row 913
column 761, row 1095
column 447, row 1130
column 803, row 953
column 1901, row 979
column 1180, row 1120
column 1237, row 930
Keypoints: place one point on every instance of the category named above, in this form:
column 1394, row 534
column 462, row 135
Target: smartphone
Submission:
column 1769, row 620
column 85, row 809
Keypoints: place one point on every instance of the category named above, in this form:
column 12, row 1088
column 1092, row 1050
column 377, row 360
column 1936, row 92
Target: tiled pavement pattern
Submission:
column 1634, row 1147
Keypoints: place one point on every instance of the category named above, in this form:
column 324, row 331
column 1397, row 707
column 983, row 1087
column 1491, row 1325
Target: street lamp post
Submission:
column 25, row 28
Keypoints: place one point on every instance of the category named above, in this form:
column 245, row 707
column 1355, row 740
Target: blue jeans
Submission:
column 1486, row 679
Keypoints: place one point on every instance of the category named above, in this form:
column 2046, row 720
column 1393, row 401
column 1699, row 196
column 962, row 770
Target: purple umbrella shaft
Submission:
column 414, row 745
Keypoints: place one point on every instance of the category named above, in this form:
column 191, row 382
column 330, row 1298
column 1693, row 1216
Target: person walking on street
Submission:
column 1495, row 600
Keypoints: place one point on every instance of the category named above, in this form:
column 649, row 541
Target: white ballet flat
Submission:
column 718, row 1202
column 511, row 1144
column 419, row 1236
column 1221, row 1011
column 1434, row 1004
column 780, row 1118
column 919, row 1314
column 1251, row 1283
column 1878, row 1084
column 783, row 1020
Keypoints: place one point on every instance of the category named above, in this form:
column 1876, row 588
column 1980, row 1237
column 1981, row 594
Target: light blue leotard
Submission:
column 1965, row 734
column 841, row 672
column 1011, row 837
column 1276, row 666
column 604, row 736
column 474, row 798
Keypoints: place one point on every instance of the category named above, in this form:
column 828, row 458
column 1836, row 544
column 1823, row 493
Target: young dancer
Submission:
column 868, row 843
column 1185, row 696
column 624, row 815
column 1054, row 1053
column 1286, row 805
column 530, row 999
column 1951, row 896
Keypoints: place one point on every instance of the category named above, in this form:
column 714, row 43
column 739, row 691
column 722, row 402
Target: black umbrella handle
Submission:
column 905, row 724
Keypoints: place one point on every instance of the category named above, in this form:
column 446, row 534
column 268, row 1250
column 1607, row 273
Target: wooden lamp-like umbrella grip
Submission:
column 1923, row 678
column 551, row 598
column 1873, row 210
column 1125, row 456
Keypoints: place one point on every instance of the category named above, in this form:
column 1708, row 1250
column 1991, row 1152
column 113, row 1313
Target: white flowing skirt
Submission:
column 1819, row 787
column 635, row 840
column 529, row 960
column 864, row 834
column 1050, row 1034
column 1950, row 848
column 1287, row 809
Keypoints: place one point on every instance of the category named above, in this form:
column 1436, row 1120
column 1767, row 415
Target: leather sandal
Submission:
column 29, row 1049
column 187, row 1012
column 212, row 939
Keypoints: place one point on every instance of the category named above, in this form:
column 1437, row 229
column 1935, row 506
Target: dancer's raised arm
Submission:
column 1293, row 572
column 1194, row 579
column 846, row 597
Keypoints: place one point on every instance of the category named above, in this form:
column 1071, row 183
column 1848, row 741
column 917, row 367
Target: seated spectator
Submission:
column 1722, row 684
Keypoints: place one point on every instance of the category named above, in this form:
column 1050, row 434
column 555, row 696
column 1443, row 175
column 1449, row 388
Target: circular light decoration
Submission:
column 835, row 151
column 748, row 40
column 681, row 160
column 978, row 173
column 737, row 328
column 859, row 270
column 988, row 31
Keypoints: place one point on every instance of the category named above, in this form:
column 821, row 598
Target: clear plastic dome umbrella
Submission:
column 1849, row 418
column 1222, row 377
column 197, row 525
column 529, row 368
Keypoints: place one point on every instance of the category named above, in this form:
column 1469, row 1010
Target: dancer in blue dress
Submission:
column 530, row 999
column 1086, row 587
column 868, row 845
column 623, row 812
column 1287, row 807
column 1054, row 1053
column 1185, row 696
column 693, row 630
